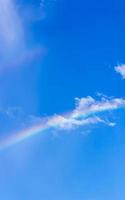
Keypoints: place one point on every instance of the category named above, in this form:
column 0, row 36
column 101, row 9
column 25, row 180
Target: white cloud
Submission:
column 11, row 30
column 86, row 112
column 68, row 123
column 121, row 70
column 88, row 106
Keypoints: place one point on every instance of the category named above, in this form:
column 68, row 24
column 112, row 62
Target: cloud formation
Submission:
column 11, row 30
column 121, row 70
column 86, row 113
column 15, row 47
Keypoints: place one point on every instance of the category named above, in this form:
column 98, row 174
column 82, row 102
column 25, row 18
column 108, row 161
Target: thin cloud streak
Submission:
column 14, row 47
column 11, row 30
column 86, row 113
column 24, row 59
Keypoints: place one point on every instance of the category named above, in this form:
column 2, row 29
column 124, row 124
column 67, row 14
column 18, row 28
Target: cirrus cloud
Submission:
column 11, row 29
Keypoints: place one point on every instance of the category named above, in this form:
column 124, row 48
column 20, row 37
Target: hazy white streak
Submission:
column 11, row 31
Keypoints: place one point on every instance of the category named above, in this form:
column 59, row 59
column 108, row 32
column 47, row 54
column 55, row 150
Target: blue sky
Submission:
column 62, row 100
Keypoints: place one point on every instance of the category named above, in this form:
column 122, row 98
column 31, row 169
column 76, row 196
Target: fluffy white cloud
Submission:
column 87, row 106
column 121, row 70
column 68, row 123
column 85, row 113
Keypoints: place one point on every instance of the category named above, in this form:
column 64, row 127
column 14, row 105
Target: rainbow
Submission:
column 85, row 113
column 29, row 132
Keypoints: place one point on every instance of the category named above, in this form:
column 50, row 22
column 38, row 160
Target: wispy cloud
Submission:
column 23, row 59
column 88, row 105
column 121, row 70
column 15, row 47
column 86, row 113
column 11, row 30
column 37, row 12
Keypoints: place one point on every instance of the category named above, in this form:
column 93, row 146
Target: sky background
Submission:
column 51, row 52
